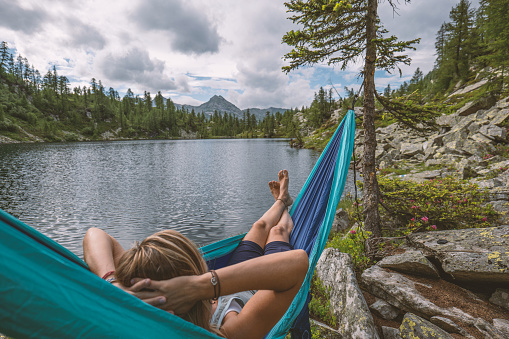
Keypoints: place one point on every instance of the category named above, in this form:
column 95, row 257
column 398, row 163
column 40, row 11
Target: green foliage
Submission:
column 411, row 111
column 8, row 127
column 45, row 106
column 352, row 243
column 71, row 137
column 445, row 203
column 319, row 306
column 335, row 31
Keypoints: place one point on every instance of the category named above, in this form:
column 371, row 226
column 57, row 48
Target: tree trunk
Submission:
column 371, row 192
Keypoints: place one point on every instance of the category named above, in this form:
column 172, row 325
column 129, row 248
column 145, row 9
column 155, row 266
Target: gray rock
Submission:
column 469, row 88
column 503, row 103
column 464, row 171
column 429, row 174
column 433, row 162
column 325, row 331
column 384, row 309
column 500, row 164
column 502, row 325
column 457, row 134
column 414, row 326
column 335, row 270
column 446, row 324
column 501, row 117
column 410, row 149
column 476, row 254
column 488, row 330
column 502, row 208
column 493, row 132
column 340, row 222
column 390, row 333
column 490, row 183
column 390, row 130
column 474, row 127
column 469, row 108
column 478, row 137
column 412, row 262
column 501, row 298
column 447, row 120
column 401, row 292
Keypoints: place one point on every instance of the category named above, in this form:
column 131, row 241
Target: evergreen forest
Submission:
column 43, row 107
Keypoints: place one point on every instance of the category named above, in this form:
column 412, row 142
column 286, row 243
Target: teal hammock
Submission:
column 48, row 292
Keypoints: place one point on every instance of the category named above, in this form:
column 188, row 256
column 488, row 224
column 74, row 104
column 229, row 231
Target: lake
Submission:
column 205, row 189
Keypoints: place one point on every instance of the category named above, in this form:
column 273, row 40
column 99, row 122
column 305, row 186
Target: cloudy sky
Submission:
column 191, row 50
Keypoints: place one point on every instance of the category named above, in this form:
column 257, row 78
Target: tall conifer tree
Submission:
column 340, row 32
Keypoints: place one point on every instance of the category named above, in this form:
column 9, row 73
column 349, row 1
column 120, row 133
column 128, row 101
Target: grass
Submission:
column 319, row 306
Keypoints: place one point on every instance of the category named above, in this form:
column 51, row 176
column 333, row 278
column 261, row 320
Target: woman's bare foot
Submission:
column 274, row 189
column 283, row 188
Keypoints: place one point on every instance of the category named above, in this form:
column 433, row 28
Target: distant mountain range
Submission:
column 221, row 105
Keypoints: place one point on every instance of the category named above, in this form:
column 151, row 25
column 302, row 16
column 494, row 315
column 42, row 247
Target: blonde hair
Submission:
column 165, row 255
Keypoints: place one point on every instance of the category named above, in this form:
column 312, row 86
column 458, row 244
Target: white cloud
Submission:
column 193, row 50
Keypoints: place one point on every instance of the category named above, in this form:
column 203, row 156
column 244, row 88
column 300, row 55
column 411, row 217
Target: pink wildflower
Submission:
column 352, row 232
column 425, row 219
column 413, row 219
column 484, row 219
column 414, row 206
column 434, row 227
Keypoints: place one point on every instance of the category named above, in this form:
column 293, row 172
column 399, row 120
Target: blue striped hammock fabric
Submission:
column 48, row 292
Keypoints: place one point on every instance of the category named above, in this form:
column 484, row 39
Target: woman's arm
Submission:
column 279, row 272
column 101, row 251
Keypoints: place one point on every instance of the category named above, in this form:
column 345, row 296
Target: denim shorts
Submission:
column 248, row 250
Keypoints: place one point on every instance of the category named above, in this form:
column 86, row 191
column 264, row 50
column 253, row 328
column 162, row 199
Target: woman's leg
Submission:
column 260, row 230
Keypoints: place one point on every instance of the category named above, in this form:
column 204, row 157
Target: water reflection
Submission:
column 206, row 189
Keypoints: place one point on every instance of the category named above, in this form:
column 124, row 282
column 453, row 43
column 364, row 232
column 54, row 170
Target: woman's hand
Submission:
column 177, row 295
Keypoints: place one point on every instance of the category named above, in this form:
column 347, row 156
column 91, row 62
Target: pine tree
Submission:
column 4, row 56
column 340, row 32
column 460, row 38
column 495, row 28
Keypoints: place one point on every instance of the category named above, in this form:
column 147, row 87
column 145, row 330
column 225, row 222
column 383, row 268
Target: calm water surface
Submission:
column 206, row 189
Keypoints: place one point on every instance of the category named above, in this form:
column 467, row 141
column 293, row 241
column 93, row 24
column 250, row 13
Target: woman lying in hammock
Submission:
column 225, row 301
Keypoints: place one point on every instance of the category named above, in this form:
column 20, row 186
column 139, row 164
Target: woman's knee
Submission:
column 278, row 231
column 260, row 225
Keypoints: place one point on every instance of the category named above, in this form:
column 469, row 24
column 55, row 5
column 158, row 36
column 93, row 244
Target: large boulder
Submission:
column 414, row 326
column 384, row 310
column 402, row 293
column 335, row 270
column 474, row 255
column 493, row 132
column 390, row 333
column 411, row 262
column 410, row 149
column 340, row 222
column 501, row 298
column 501, row 117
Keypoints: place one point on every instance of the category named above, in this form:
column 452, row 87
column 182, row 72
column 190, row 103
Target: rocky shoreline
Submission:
column 441, row 284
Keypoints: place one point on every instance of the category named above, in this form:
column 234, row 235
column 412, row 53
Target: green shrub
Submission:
column 71, row 137
column 445, row 203
column 354, row 244
column 8, row 127
column 87, row 130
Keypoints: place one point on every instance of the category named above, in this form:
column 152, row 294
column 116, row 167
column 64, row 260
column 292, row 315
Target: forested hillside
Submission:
column 44, row 108
column 473, row 45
